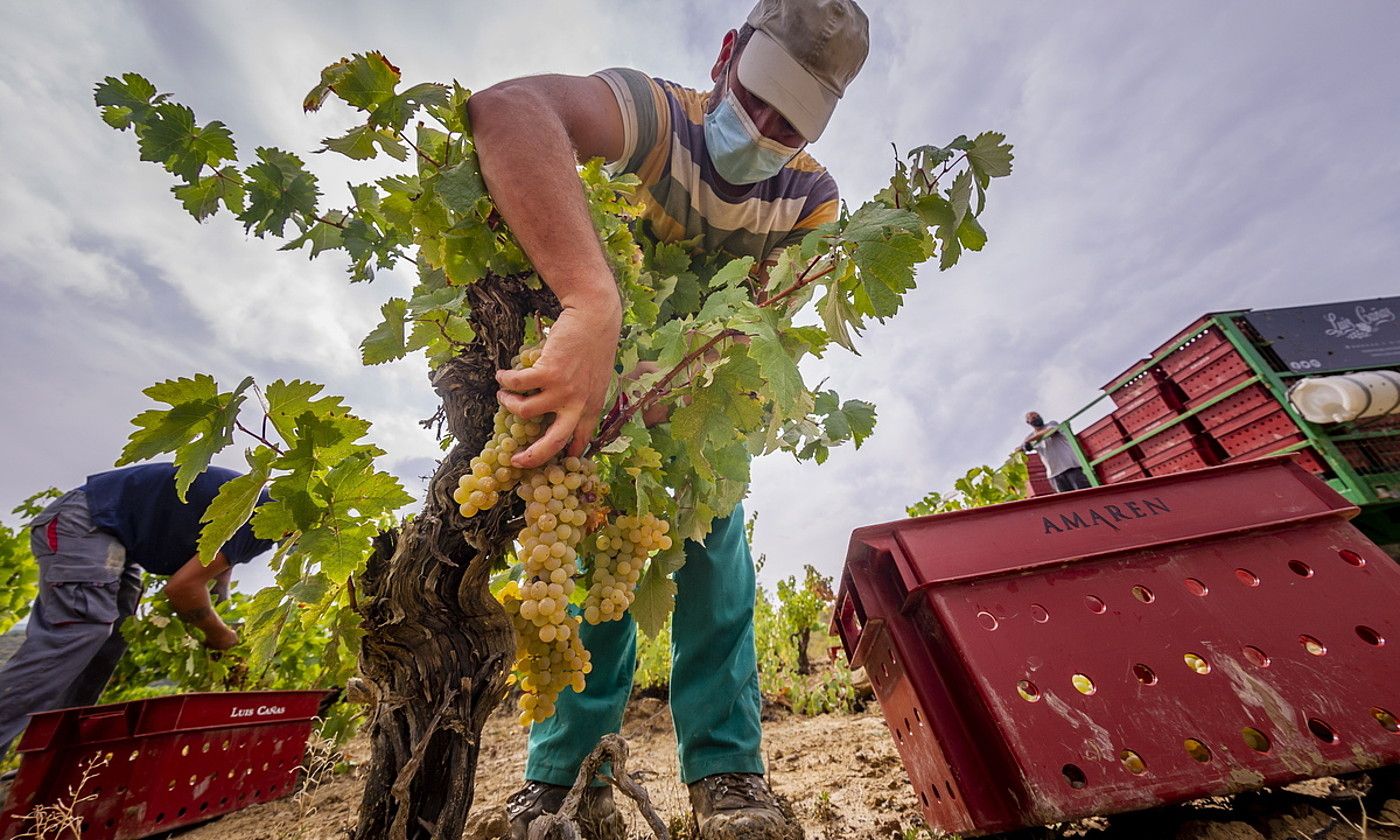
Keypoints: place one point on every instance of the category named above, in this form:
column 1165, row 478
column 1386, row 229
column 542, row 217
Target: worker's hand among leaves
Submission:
column 570, row 380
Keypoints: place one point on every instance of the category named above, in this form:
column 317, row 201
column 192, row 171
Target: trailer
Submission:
column 1217, row 392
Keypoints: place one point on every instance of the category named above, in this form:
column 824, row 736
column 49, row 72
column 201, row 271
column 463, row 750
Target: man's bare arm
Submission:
column 530, row 134
column 188, row 591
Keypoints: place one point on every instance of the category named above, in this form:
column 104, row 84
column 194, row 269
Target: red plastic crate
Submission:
column 1134, row 386
column 162, row 763
column 1225, row 368
column 1267, row 427
column 1237, row 404
column 1127, row 646
column 1196, row 353
column 1171, row 438
column 1119, row 468
column 1040, row 482
column 1148, row 411
column 1102, row 436
column 1307, row 457
column 1193, row 453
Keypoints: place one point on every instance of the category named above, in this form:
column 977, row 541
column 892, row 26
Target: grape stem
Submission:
column 612, row 426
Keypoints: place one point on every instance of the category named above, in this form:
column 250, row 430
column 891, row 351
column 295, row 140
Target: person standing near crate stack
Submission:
column 724, row 169
column 93, row 545
column 1049, row 441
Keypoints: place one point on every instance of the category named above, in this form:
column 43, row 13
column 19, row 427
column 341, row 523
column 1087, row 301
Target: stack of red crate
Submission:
column 1146, row 401
column 1105, row 436
column 1040, row 482
column 1248, row 424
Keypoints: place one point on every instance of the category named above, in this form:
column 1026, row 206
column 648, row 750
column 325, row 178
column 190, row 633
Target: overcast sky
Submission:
column 1171, row 159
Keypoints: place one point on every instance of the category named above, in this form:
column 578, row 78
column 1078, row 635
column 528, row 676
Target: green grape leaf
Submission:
column 656, row 594
column 766, row 347
column 321, row 235
column 340, row 548
column 399, row 109
column 971, row 235
column 887, row 270
column 366, row 81
column 460, row 187
column 202, row 197
column 386, row 342
column 197, row 425
column 355, row 487
column 860, row 419
column 990, row 155
column 278, row 188
column 286, row 402
column 365, row 142
column 170, row 137
column 127, row 100
column 233, row 504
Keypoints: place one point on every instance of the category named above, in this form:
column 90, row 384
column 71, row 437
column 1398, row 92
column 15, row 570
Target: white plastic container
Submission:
column 1352, row 396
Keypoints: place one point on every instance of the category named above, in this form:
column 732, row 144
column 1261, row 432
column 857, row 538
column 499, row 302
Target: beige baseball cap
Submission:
column 802, row 56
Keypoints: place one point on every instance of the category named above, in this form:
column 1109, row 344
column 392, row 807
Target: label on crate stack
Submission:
column 1332, row 336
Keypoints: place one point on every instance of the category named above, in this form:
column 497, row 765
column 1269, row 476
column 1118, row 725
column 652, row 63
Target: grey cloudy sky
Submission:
column 1171, row 159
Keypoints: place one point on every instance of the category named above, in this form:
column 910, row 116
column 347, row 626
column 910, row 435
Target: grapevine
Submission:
column 725, row 338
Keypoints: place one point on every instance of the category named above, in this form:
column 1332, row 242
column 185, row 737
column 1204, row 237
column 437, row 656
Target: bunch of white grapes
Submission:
column 620, row 549
column 559, row 497
column 491, row 472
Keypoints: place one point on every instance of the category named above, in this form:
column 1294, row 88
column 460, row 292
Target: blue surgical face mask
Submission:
column 739, row 151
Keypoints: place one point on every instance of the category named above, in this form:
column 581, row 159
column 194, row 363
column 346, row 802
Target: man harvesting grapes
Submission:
column 92, row 545
column 725, row 169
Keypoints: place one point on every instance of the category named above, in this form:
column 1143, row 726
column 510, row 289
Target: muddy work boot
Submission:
column 740, row 806
column 598, row 817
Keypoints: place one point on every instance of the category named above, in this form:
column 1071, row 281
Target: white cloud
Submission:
column 1170, row 161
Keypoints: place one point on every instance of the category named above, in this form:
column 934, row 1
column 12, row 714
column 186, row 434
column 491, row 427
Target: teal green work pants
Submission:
column 715, row 701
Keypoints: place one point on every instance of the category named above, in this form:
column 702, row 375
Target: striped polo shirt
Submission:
column 664, row 146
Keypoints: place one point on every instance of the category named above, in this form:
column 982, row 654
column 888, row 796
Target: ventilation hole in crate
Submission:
column 181, row 812
column 1322, row 731
column 257, row 793
column 1197, row 663
column 885, row 670
column 185, row 750
column 84, row 826
column 987, row 620
column 1247, row 577
column 225, row 744
column 1254, row 739
column 1352, row 557
column 1385, row 719
column 1312, row 645
column 171, row 785
column 121, row 788
column 1083, row 684
column 160, row 818
column 923, row 797
column 1143, row 594
column 111, row 823
column 194, row 780
column 1074, row 776
column 135, row 754
column 899, row 736
column 1197, row 750
column 1299, row 568
column 1028, row 691
column 204, row 747
column 230, row 774
column 1133, row 762
column 1039, row 614
column 203, row 806
column 907, row 728
column 223, row 801
column 918, row 718
column 1196, row 587
column 947, row 785
column 1094, row 604
column 1369, row 636
column 1256, row 656
column 265, row 763
column 938, row 797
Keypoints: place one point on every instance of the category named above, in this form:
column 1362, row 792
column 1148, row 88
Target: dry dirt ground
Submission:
column 844, row 779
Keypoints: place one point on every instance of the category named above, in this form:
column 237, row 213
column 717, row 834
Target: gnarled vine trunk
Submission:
column 436, row 646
